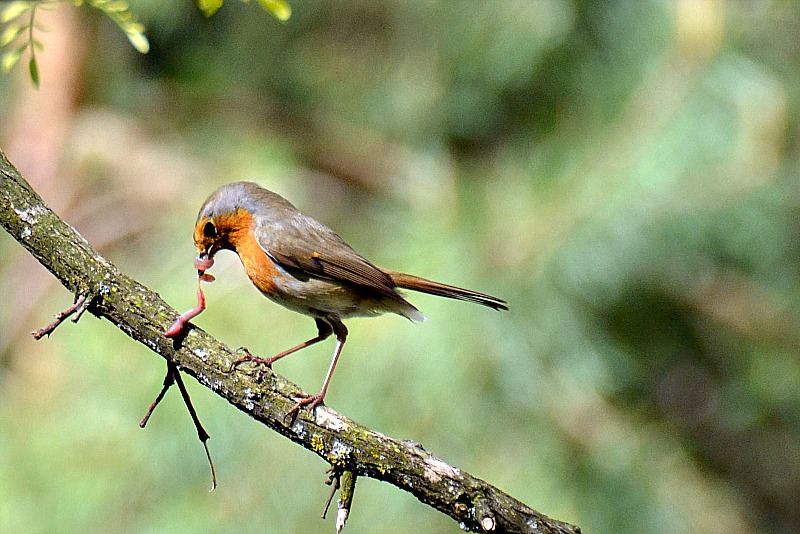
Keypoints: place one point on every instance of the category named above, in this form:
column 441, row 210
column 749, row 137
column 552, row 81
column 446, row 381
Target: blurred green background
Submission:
column 624, row 173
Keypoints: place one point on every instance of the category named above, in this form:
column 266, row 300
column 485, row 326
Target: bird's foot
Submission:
column 312, row 401
column 248, row 357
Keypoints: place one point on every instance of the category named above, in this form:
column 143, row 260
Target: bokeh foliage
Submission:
column 624, row 173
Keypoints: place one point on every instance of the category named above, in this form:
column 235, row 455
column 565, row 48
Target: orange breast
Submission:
column 256, row 263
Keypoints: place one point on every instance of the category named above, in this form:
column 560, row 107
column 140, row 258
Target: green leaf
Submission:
column 115, row 7
column 132, row 27
column 10, row 33
column 209, row 7
column 10, row 59
column 33, row 67
column 14, row 10
column 139, row 41
column 279, row 8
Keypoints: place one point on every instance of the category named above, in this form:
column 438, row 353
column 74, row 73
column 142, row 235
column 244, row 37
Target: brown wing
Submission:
column 302, row 243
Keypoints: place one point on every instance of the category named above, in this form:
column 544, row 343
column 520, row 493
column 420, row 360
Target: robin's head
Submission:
column 232, row 211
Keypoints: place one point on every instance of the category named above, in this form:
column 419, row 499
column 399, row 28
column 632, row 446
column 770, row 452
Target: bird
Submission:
column 301, row 264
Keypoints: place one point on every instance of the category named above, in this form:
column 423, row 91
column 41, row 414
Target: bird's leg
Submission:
column 324, row 331
column 312, row 401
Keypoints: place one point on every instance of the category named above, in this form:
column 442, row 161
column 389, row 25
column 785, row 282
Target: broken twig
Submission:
column 78, row 308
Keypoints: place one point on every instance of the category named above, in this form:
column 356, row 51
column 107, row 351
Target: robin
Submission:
column 306, row 267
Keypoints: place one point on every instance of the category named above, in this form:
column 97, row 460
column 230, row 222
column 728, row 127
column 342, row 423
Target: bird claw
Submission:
column 247, row 354
column 312, row 401
column 248, row 357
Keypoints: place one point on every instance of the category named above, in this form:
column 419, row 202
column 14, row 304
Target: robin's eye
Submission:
column 209, row 230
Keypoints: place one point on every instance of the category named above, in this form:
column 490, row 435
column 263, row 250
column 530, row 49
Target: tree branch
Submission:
column 345, row 444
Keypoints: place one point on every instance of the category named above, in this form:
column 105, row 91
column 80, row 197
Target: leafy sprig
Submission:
column 119, row 11
column 19, row 22
column 19, row 19
column 280, row 9
column 19, row 28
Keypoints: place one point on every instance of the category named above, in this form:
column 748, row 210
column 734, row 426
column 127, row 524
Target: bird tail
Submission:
column 415, row 283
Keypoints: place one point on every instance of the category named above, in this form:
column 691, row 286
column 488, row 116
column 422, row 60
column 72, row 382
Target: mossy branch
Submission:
column 345, row 444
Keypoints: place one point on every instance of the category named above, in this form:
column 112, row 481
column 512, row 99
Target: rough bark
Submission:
column 348, row 446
